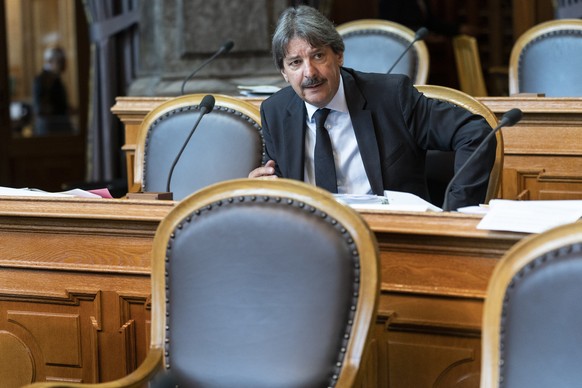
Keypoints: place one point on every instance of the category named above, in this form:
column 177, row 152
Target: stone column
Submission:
column 176, row 36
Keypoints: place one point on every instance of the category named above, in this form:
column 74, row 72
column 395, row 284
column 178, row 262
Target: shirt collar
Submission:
column 338, row 102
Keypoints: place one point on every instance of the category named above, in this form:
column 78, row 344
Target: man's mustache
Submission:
column 312, row 82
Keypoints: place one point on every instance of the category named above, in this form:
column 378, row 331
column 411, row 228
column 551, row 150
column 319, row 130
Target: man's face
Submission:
column 314, row 73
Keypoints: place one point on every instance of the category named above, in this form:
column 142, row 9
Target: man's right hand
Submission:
column 267, row 171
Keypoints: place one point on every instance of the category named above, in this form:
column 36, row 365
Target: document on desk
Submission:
column 530, row 216
column 28, row 192
column 391, row 200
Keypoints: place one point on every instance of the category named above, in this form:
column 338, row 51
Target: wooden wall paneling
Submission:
column 5, row 129
column 45, row 162
column 528, row 13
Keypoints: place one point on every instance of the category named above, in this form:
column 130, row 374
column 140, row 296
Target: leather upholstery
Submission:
column 376, row 51
column 547, row 59
column 542, row 321
column 533, row 316
column 261, row 291
column 227, row 144
column 375, row 45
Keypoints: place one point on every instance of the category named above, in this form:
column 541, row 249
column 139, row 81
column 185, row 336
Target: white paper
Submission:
column 361, row 199
column 258, row 89
column 26, row 192
column 392, row 200
column 481, row 209
column 529, row 216
column 408, row 200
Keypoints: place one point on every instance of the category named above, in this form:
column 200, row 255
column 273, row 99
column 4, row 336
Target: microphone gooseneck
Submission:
column 225, row 48
column 420, row 34
column 508, row 119
column 206, row 105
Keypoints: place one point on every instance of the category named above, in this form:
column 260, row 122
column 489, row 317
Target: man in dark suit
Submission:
column 379, row 125
column 50, row 101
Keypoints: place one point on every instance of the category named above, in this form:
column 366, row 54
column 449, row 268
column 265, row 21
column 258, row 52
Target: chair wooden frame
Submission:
column 469, row 69
column 530, row 35
column 288, row 190
column 473, row 105
column 512, row 262
column 221, row 102
column 395, row 29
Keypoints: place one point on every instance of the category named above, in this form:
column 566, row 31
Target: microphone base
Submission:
column 151, row 196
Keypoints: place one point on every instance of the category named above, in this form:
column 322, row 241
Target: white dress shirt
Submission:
column 349, row 167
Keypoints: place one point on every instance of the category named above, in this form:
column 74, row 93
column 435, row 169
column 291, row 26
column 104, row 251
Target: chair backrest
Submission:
column 440, row 164
column 227, row 144
column 547, row 59
column 532, row 317
column 469, row 69
column 263, row 283
column 373, row 45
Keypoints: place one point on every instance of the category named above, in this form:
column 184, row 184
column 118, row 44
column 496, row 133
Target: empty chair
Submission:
column 469, row 69
column 227, row 144
column 547, row 59
column 374, row 45
column 260, row 283
column 440, row 164
column 533, row 316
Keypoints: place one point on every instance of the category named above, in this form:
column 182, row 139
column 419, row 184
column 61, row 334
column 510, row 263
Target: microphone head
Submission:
column 511, row 117
column 421, row 33
column 207, row 103
column 227, row 46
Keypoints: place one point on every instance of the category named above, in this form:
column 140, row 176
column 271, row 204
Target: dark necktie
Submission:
column 323, row 158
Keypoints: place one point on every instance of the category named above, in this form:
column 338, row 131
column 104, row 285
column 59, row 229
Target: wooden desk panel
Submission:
column 543, row 152
column 75, row 286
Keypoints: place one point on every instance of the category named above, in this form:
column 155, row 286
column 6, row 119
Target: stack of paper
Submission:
column 27, row 192
column 258, row 90
column 391, row 200
column 530, row 216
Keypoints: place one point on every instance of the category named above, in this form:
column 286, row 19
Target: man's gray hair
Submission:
column 305, row 23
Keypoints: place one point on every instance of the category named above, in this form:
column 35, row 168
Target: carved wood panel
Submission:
column 84, row 336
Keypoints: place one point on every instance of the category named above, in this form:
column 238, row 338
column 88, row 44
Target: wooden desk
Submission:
column 75, row 286
column 543, row 152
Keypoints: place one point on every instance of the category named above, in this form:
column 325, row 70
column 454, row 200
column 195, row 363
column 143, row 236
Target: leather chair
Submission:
column 440, row 164
column 547, row 59
column 227, row 144
column 469, row 69
column 373, row 45
column 259, row 283
column 532, row 315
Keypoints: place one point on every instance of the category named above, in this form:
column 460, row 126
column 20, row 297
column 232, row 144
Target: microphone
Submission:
column 206, row 105
column 225, row 48
column 419, row 35
column 508, row 119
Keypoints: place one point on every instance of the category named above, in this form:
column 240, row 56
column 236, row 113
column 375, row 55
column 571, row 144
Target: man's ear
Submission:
column 284, row 75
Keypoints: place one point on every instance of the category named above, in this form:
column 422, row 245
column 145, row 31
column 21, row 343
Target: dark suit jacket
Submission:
column 394, row 125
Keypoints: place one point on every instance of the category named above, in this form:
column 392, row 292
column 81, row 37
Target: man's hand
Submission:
column 267, row 171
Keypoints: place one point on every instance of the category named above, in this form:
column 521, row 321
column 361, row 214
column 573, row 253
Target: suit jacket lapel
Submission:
column 365, row 133
column 294, row 124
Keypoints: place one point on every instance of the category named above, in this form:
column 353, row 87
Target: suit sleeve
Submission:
column 440, row 125
column 269, row 147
